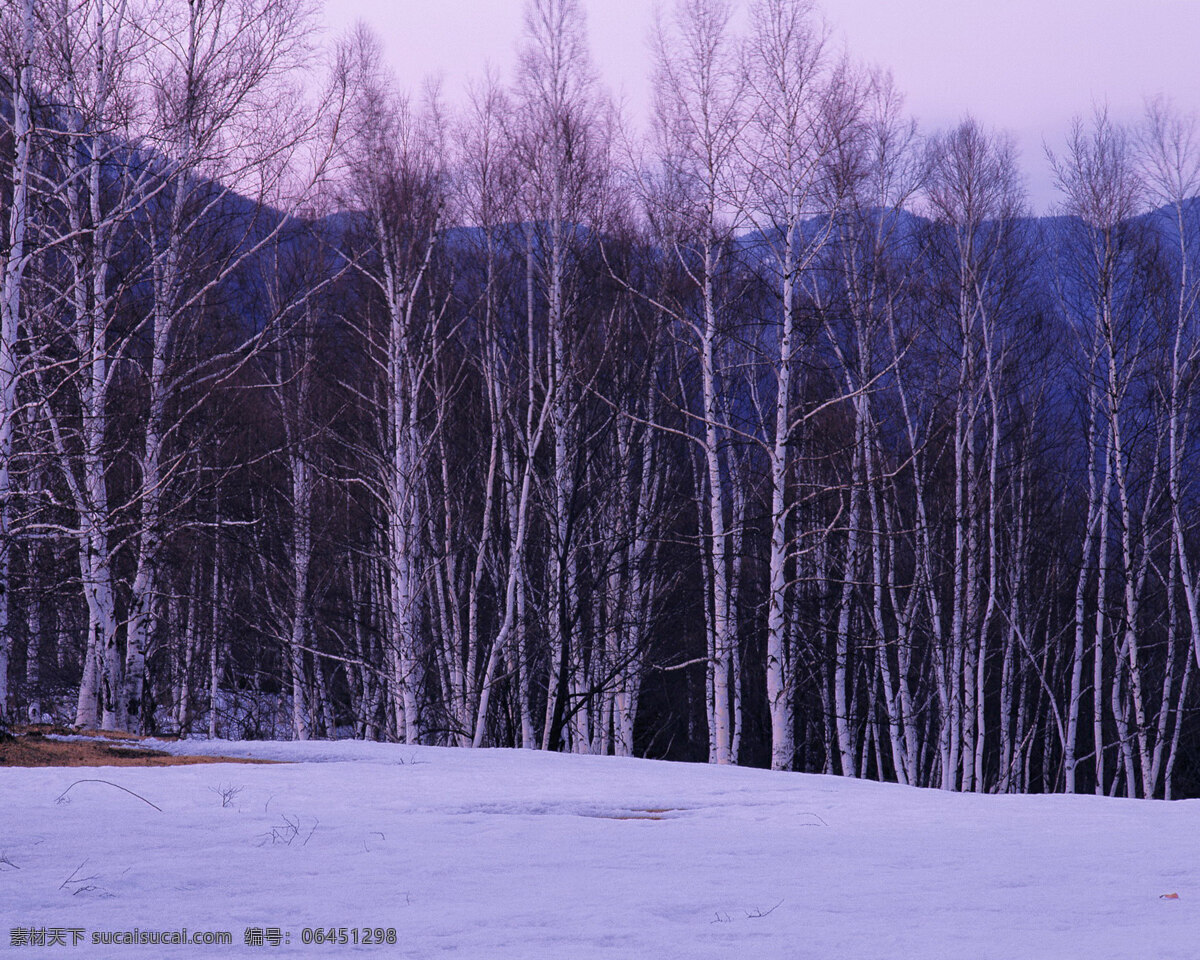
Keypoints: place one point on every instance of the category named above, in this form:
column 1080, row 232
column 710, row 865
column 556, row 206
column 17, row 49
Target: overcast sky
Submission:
column 1026, row 66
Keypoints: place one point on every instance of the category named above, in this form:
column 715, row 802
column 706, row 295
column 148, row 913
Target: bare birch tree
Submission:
column 14, row 260
column 699, row 114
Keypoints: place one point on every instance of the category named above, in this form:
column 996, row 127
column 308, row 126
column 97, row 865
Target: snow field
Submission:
column 526, row 855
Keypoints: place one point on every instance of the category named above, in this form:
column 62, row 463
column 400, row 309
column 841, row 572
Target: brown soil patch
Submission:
column 35, row 750
column 647, row 813
column 48, row 728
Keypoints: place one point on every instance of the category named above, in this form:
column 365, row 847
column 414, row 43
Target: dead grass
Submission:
column 30, row 747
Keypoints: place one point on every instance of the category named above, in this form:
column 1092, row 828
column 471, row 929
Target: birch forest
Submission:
column 773, row 430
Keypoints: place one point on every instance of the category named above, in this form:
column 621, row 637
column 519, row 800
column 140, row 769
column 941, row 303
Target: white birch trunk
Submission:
column 842, row 678
column 723, row 626
column 780, row 685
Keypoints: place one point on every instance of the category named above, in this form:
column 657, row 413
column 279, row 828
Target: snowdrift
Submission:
column 514, row 854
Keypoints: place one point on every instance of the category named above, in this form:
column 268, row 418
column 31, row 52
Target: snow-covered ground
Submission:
column 509, row 854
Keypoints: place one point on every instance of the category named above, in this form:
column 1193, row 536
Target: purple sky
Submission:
column 1026, row 66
